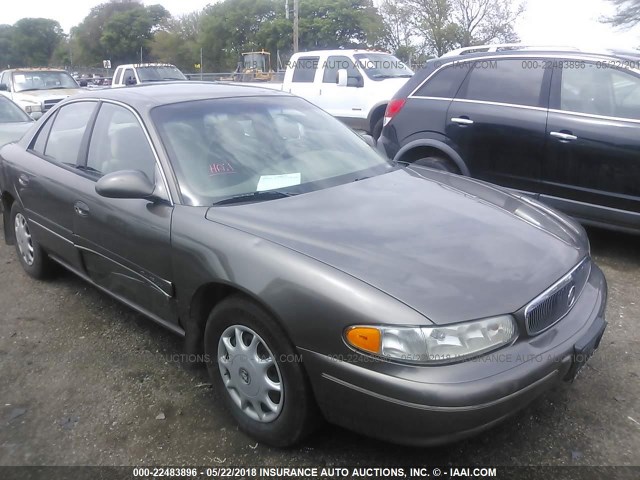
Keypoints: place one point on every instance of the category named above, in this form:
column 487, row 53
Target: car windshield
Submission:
column 244, row 147
column 10, row 112
column 42, row 80
column 159, row 73
column 382, row 65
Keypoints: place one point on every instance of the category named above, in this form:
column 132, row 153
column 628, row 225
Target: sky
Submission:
column 546, row 22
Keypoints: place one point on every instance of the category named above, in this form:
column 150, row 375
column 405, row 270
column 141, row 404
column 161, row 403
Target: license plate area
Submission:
column 584, row 348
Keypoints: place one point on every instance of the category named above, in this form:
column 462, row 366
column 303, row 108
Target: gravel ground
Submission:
column 85, row 381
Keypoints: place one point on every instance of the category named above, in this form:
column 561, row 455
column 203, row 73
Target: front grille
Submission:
column 50, row 103
column 554, row 304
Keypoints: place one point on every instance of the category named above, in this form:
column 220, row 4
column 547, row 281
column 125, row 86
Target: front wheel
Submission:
column 33, row 258
column 259, row 373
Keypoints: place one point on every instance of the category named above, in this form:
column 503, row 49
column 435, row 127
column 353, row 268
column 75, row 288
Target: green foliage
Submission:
column 7, row 55
column 33, row 41
column 232, row 27
column 117, row 31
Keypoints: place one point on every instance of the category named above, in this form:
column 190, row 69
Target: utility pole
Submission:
column 286, row 9
column 295, row 26
column 201, row 64
column 140, row 54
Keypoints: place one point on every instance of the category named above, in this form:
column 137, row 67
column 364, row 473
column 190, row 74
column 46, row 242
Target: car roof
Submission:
column 339, row 52
column 147, row 96
column 588, row 54
column 144, row 65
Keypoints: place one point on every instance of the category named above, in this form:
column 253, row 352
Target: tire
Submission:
column 32, row 257
column 284, row 418
column 377, row 129
column 437, row 163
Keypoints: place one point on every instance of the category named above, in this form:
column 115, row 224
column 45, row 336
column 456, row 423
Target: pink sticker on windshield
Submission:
column 220, row 169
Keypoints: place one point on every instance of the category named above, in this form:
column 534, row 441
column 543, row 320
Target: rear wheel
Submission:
column 33, row 258
column 257, row 370
column 437, row 163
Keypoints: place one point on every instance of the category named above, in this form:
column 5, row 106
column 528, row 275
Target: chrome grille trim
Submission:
column 50, row 103
column 557, row 301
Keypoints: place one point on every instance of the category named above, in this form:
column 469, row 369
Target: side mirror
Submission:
column 83, row 83
column 342, row 78
column 125, row 184
column 4, row 87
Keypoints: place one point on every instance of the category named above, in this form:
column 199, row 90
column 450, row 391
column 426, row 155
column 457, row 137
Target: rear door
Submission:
column 47, row 173
column 303, row 78
column 125, row 243
column 592, row 164
column 497, row 122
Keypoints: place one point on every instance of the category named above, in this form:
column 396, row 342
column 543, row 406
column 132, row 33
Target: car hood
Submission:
column 452, row 248
column 41, row 95
column 12, row 132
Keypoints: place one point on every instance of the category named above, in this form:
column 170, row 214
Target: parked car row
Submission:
column 318, row 278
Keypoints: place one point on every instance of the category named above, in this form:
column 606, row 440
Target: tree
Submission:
column 34, row 40
column 178, row 42
column 484, row 21
column 116, row 30
column 7, row 55
column 627, row 13
column 231, row 27
column 398, row 28
column 433, row 20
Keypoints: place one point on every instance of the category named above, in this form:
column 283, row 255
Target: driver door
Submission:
column 125, row 243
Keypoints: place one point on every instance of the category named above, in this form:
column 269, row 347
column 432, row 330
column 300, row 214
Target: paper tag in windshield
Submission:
column 271, row 182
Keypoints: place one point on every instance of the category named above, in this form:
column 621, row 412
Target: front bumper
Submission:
column 436, row 405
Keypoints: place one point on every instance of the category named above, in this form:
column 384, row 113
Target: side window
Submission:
column 600, row 91
column 116, row 80
column 63, row 144
column 128, row 76
column 446, row 82
column 518, row 82
column 40, row 140
column 335, row 63
column 4, row 78
column 305, row 69
column 118, row 142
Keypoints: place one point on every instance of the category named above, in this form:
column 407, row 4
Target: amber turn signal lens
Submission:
column 364, row 338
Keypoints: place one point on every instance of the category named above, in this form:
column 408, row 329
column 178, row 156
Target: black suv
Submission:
column 560, row 125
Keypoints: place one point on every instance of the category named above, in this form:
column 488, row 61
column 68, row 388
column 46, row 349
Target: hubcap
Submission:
column 23, row 239
column 250, row 373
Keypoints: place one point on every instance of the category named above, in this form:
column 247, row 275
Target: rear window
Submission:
column 305, row 69
column 517, row 82
column 446, row 82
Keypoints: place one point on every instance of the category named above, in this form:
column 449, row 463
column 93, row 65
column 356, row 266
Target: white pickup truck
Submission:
column 136, row 73
column 352, row 85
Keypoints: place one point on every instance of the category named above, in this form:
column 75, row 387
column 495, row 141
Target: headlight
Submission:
column 434, row 345
column 33, row 108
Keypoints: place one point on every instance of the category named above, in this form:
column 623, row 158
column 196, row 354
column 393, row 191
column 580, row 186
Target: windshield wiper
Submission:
column 255, row 196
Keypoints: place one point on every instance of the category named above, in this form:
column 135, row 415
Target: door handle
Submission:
column 81, row 209
column 462, row 120
column 23, row 180
column 567, row 137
